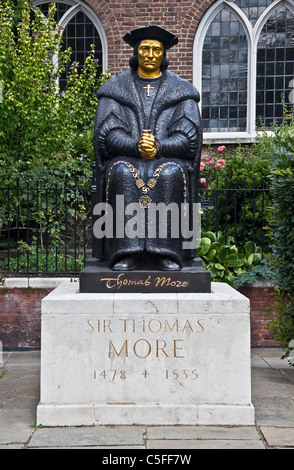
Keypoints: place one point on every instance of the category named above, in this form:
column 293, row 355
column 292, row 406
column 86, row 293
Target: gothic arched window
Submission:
column 82, row 28
column 245, row 72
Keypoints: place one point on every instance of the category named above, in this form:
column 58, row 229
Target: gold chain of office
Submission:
column 145, row 200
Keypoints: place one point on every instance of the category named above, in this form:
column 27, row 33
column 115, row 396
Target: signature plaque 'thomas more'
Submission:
column 97, row 277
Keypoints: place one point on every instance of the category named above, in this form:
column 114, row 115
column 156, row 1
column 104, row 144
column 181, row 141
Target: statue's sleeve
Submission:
column 112, row 135
column 183, row 133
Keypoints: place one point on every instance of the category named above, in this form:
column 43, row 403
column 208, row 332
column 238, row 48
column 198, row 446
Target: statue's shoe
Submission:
column 166, row 264
column 125, row 264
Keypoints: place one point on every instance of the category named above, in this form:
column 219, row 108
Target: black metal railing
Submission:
column 48, row 230
column 238, row 210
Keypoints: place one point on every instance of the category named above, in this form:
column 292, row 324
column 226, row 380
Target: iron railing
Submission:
column 48, row 230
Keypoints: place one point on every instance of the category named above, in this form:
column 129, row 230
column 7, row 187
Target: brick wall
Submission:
column 179, row 16
column 261, row 298
column 20, row 316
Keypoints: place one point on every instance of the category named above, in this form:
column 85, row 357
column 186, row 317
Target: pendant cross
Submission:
column 148, row 88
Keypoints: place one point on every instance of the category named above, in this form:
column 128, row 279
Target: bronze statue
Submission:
column 147, row 141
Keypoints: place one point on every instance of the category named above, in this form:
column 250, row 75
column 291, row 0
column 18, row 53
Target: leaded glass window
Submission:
column 275, row 66
column 253, row 9
column 224, row 74
column 79, row 33
column 245, row 73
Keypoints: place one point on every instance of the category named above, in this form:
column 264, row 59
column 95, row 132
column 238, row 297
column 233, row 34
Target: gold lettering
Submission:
column 91, row 326
column 161, row 281
column 160, row 348
column 108, row 280
column 157, row 329
column 166, row 324
column 106, row 324
column 135, row 348
column 124, row 346
column 200, row 325
column 188, row 325
column 176, row 348
column 125, row 324
column 121, row 281
column 147, row 282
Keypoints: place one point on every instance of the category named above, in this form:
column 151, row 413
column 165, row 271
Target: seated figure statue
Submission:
column 147, row 141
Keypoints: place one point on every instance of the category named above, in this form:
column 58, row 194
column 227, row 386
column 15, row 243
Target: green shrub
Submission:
column 282, row 221
column 224, row 259
column 264, row 270
column 236, row 180
column 30, row 259
column 282, row 229
column 38, row 119
column 46, row 133
column 282, row 321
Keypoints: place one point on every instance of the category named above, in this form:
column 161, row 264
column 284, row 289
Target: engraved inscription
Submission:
column 122, row 280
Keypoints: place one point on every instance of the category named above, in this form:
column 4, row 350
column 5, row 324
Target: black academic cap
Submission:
column 151, row 31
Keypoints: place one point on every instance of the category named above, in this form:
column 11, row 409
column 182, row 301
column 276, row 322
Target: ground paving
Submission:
column 272, row 397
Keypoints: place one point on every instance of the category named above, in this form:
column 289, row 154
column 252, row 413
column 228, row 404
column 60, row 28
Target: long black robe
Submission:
column 175, row 122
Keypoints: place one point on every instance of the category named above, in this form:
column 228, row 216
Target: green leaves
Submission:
column 223, row 259
column 38, row 119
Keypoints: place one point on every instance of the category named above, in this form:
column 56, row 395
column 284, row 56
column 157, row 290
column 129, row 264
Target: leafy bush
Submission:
column 224, row 259
column 282, row 221
column 264, row 270
column 30, row 259
column 282, row 321
column 38, row 119
column 282, row 229
column 46, row 133
column 236, row 181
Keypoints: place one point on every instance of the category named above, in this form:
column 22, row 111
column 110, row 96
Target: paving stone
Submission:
column 278, row 437
column 14, row 433
column 289, row 373
column 274, row 410
column 201, row 432
column 11, row 446
column 88, row 436
column 16, row 418
column 270, row 383
column 111, row 448
column 24, row 358
column 205, row 444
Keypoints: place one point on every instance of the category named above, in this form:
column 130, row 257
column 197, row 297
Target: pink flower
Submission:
column 220, row 163
column 202, row 166
column 203, row 181
column 221, row 148
column 210, row 160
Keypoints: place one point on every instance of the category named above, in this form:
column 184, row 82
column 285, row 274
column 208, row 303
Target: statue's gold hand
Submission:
column 147, row 145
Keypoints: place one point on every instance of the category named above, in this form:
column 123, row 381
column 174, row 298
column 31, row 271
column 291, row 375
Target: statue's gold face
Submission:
column 150, row 55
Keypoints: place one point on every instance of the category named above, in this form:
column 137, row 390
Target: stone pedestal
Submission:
column 153, row 359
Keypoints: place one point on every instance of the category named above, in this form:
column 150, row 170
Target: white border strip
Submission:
column 34, row 282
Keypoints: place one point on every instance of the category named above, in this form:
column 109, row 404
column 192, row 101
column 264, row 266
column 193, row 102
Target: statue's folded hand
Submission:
column 147, row 145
